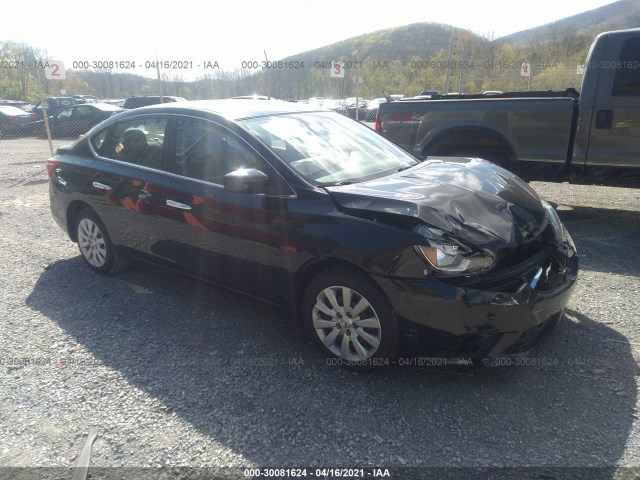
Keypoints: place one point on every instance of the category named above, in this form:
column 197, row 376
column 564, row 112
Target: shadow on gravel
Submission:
column 236, row 371
column 598, row 232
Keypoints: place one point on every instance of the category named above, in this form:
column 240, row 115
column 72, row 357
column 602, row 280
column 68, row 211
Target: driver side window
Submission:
column 207, row 151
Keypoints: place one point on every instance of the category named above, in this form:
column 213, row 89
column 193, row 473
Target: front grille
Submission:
column 517, row 265
column 510, row 256
column 506, row 280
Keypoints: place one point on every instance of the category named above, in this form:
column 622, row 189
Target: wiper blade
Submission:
column 335, row 184
column 402, row 169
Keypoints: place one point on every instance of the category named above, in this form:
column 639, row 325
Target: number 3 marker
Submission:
column 337, row 69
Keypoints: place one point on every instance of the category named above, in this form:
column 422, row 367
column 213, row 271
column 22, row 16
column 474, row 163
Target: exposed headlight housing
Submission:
column 448, row 256
column 561, row 233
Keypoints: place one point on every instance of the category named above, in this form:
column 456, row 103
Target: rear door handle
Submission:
column 181, row 206
column 101, row 186
column 604, row 119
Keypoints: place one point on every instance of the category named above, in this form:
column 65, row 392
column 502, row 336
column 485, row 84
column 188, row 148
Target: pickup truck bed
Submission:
column 536, row 128
column 593, row 136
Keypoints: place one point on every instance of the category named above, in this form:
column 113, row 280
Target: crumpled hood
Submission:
column 474, row 200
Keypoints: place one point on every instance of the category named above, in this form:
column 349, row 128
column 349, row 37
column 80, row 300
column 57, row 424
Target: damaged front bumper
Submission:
column 502, row 313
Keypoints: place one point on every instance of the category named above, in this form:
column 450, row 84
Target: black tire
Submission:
column 362, row 333
column 95, row 245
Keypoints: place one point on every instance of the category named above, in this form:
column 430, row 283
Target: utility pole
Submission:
column 159, row 78
column 461, row 78
column 357, row 88
column 267, row 64
column 448, row 78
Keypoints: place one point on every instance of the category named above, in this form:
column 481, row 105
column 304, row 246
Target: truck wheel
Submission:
column 498, row 157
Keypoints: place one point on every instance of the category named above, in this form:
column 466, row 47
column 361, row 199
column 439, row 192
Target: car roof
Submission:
column 9, row 110
column 100, row 106
column 233, row 109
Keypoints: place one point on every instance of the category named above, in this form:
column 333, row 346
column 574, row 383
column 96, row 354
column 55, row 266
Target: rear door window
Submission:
column 139, row 141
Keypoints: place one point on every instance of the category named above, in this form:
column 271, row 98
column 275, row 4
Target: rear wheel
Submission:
column 351, row 319
column 95, row 244
column 474, row 144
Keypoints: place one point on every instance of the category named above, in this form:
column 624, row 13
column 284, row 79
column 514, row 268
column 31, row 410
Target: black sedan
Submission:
column 309, row 210
column 15, row 121
column 79, row 119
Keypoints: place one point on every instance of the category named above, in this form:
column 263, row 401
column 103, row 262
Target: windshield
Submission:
column 327, row 148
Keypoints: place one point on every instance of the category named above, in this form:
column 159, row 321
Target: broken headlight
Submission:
column 448, row 256
column 561, row 234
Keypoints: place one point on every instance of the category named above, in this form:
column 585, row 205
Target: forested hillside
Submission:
column 405, row 60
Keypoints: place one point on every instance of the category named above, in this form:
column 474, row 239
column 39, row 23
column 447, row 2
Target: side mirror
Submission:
column 246, row 180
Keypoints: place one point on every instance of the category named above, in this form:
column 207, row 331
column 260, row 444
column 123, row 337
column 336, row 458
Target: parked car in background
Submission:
column 54, row 106
column 114, row 101
column 339, row 106
column 315, row 101
column 255, row 96
column 146, row 100
column 352, row 107
column 79, row 119
column 85, row 99
column 372, row 109
column 21, row 104
column 15, row 121
column 309, row 210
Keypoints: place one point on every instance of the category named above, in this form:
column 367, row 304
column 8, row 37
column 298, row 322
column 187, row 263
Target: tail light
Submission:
column 378, row 126
column 52, row 163
column 13, row 118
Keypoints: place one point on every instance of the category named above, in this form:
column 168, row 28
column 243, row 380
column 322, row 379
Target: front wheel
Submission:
column 351, row 319
column 95, row 244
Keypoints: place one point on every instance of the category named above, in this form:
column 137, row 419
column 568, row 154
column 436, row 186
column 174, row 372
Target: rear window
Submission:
column 60, row 102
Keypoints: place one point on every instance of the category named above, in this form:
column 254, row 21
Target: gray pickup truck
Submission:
column 590, row 136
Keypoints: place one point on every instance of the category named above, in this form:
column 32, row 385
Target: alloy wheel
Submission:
column 92, row 243
column 346, row 323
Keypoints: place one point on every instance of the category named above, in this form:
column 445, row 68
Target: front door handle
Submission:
column 181, row 206
column 604, row 119
column 101, row 186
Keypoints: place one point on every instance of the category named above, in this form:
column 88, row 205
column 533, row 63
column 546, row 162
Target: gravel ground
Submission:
column 176, row 373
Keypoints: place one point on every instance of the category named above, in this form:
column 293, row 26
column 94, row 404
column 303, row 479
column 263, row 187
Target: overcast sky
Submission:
column 233, row 32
